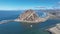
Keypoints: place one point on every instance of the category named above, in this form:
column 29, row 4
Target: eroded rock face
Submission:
column 29, row 15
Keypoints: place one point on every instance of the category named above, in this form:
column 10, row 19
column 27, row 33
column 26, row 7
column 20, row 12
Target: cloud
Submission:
column 44, row 7
column 59, row 2
column 40, row 7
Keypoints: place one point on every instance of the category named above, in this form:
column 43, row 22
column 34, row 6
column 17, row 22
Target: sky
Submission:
column 27, row 4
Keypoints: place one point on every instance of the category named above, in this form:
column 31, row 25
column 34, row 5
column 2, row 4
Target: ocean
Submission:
column 20, row 28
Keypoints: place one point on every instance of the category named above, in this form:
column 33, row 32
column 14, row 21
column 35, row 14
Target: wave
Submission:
column 5, row 21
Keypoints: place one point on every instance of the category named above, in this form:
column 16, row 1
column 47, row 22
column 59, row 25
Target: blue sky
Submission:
column 26, row 4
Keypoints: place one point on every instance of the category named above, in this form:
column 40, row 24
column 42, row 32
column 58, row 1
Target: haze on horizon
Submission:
column 27, row 4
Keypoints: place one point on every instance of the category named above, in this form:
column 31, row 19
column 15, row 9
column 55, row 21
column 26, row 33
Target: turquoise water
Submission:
column 20, row 28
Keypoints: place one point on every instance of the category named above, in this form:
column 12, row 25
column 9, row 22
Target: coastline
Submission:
column 55, row 30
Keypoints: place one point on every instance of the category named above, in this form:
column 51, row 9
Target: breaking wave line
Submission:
column 5, row 21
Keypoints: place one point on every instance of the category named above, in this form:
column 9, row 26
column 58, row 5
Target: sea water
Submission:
column 20, row 28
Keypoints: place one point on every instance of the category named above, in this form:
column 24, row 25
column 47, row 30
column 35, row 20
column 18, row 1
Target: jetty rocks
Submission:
column 30, row 16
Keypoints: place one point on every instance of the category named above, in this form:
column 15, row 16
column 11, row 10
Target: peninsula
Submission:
column 30, row 16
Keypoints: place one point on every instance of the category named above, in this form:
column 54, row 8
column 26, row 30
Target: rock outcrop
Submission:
column 31, row 17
